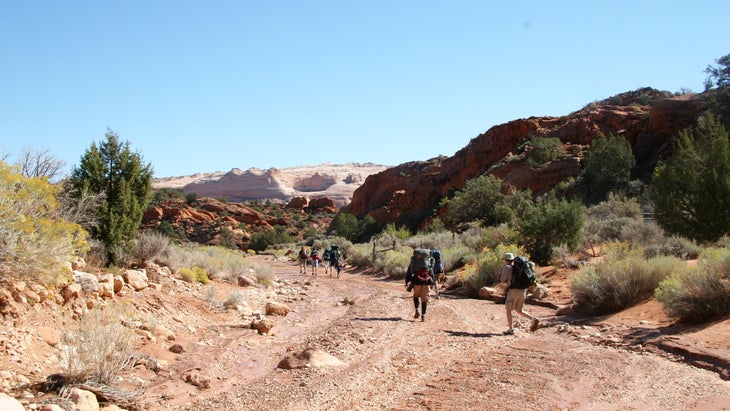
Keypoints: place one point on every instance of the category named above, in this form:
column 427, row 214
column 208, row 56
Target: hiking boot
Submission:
column 423, row 317
column 535, row 323
column 509, row 331
column 416, row 315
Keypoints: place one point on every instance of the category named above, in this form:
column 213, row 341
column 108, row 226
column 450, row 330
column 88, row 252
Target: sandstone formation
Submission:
column 336, row 182
column 408, row 194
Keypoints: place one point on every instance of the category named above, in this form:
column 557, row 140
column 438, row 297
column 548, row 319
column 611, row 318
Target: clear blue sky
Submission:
column 203, row 86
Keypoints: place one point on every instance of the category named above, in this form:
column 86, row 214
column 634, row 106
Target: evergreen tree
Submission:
column 691, row 189
column 608, row 165
column 550, row 222
column 719, row 77
column 480, row 200
column 113, row 169
column 346, row 225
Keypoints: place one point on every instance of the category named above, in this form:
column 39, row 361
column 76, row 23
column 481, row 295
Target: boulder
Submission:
column 274, row 308
column 89, row 282
column 8, row 403
column 309, row 358
column 137, row 279
column 71, row 292
column 83, row 400
column 245, row 281
column 263, row 326
column 489, row 293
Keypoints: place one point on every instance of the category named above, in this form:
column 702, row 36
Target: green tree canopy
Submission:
column 691, row 189
column 543, row 150
column 719, row 76
column 608, row 165
column 480, row 200
column 113, row 169
column 550, row 222
column 346, row 225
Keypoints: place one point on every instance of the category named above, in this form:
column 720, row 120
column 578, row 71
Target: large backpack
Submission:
column 421, row 260
column 326, row 255
column 335, row 253
column 523, row 273
column 438, row 265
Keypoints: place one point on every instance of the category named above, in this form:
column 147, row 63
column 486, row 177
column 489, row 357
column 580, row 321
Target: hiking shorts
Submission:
column 515, row 299
column 421, row 291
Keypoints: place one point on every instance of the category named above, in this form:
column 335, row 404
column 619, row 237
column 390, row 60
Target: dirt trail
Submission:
column 457, row 359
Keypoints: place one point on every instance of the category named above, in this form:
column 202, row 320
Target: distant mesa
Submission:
column 334, row 181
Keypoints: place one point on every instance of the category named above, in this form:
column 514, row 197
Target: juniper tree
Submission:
column 691, row 189
column 111, row 168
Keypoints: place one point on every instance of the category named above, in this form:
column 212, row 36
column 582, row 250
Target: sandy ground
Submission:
column 372, row 355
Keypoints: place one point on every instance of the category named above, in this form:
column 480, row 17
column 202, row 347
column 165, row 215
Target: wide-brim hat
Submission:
column 509, row 256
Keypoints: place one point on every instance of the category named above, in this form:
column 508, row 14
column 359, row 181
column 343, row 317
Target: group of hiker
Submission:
column 330, row 259
column 518, row 275
column 426, row 270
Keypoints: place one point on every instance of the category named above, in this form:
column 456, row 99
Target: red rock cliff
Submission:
column 409, row 193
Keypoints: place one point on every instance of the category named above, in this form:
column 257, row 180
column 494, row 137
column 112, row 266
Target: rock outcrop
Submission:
column 408, row 194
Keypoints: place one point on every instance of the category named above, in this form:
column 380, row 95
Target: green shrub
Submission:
column 501, row 234
column 548, row 222
column 690, row 189
column 681, row 247
column 646, row 234
column 260, row 241
column 606, row 221
column 702, row 293
column 543, row 150
column 624, row 278
column 489, row 268
column 394, row 263
column 194, row 275
column 607, row 164
column 480, row 200
column 361, row 255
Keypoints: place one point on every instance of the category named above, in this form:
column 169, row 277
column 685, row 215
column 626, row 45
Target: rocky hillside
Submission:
column 647, row 118
column 215, row 222
column 334, row 181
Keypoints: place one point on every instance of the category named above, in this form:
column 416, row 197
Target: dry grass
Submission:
column 99, row 349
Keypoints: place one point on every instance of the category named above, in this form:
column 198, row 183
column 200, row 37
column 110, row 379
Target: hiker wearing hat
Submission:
column 515, row 297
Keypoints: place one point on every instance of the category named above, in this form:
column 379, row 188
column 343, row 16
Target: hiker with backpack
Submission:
column 339, row 266
column 303, row 260
column 314, row 256
column 519, row 275
column 419, row 278
column 326, row 261
column 438, row 270
column 336, row 260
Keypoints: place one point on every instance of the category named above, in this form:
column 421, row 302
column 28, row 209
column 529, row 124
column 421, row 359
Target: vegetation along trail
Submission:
column 374, row 355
